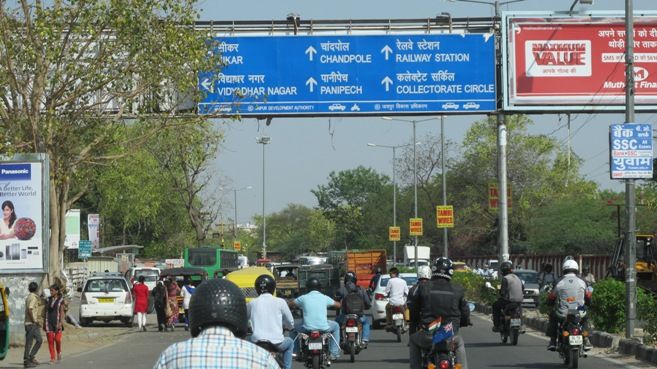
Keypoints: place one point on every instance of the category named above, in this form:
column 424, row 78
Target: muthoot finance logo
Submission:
column 558, row 58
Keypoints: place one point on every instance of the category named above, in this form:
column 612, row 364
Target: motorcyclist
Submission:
column 511, row 292
column 423, row 277
column 375, row 279
column 348, row 287
column 268, row 316
column 218, row 324
column 569, row 293
column 314, row 305
column 439, row 299
column 397, row 292
column 546, row 277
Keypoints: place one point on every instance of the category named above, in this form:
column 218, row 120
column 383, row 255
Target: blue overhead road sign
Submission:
column 351, row 75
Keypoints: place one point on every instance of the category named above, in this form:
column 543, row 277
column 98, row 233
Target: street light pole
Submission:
column 263, row 140
column 444, row 175
column 235, row 203
column 394, row 192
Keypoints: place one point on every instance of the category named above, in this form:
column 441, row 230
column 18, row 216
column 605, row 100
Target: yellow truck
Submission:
column 4, row 321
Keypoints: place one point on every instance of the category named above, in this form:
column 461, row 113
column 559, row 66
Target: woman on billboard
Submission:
column 8, row 220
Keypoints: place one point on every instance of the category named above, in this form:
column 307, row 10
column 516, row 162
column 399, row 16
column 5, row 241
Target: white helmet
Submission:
column 570, row 264
column 424, row 271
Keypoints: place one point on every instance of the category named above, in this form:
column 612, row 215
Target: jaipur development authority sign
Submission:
column 577, row 63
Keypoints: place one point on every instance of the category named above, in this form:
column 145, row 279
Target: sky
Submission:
column 304, row 151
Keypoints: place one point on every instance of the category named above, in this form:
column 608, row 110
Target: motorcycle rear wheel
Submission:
column 398, row 331
column 316, row 362
column 352, row 351
column 514, row 336
column 574, row 358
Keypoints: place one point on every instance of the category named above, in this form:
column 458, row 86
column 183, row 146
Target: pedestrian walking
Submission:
column 33, row 322
column 172, row 298
column 159, row 294
column 54, row 323
column 186, row 292
column 140, row 291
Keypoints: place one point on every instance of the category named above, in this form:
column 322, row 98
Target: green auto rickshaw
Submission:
column 4, row 321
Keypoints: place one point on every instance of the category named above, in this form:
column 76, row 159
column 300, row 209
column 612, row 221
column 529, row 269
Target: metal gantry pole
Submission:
column 415, row 187
column 630, row 196
column 503, row 220
column 264, row 218
column 235, row 218
column 444, row 175
column 394, row 203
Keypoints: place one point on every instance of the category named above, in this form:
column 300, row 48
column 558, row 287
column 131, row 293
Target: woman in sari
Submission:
column 172, row 296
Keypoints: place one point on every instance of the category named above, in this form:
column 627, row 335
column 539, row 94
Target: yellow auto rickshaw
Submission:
column 4, row 321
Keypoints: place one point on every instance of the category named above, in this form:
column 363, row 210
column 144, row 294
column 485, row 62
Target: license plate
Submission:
column 575, row 340
column 314, row 345
column 516, row 322
column 398, row 316
column 106, row 299
column 351, row 329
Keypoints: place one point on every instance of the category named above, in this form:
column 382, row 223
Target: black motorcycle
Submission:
column 571, row 337
column 314, row 349
column 351, row 335
column 273, row 350
column 442, row 354
column 510, row 323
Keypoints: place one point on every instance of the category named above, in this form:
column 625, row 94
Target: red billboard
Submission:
column 557, row 62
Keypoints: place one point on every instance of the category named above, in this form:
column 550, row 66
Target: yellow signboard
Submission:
column 237, row 245
column 394, row 233
column 445, row 216
column 493, row 196
column 415, row 227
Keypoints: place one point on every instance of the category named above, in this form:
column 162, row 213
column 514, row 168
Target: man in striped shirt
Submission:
column 218, row 324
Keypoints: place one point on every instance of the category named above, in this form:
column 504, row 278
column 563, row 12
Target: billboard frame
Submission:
column 42, row 159
column 545, row 107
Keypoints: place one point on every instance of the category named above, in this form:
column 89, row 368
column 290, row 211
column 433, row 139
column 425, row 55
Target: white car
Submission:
column 450, row 105
column 106, row 297
column 151, row 275
column 380, row 300
column 334, row 107
column 471, row 105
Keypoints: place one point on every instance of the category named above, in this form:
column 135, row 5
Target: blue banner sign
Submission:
column 351, row 75
column 630, row 147
column 84, row 249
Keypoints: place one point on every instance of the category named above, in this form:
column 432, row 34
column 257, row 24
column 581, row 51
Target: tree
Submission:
column 344, row 199
column 72, row 72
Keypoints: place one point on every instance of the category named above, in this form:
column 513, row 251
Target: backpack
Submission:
column 353, row 303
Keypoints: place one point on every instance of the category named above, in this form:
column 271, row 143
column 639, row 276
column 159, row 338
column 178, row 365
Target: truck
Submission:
column 423, row 255
column 362, row 262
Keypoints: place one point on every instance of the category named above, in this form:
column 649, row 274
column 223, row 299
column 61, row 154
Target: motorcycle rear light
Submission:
column 379, row 296
column 576, row 332
column 566, row 334
column 397, row 309
column 444, row 364
column 585, row 333
column 351, row 323
column 315, row 335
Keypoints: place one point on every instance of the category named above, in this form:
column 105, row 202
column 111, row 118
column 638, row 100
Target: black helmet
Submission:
column 218, row 302
column 265, row 284
column 506, row 267
column 313, row 284
column 442, row 268
column 350, row 277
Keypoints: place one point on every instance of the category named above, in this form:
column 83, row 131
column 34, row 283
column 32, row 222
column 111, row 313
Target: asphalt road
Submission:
column 141, row 350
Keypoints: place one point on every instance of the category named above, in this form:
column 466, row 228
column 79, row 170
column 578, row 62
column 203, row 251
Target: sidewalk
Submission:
column 74, row 341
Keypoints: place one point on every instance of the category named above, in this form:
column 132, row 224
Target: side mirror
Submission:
column 471, row 306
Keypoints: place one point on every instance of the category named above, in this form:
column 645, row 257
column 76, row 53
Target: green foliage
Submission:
column 475, row 288
column 608, row 307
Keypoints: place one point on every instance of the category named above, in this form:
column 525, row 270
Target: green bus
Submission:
column 217, row 262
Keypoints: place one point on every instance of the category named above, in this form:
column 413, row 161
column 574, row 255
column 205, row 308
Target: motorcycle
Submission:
column 399, row 325
column 351, row 331
column 273, row 350
column 314, row 349
column 442, row 354
column 571, row 337
column 511, row 323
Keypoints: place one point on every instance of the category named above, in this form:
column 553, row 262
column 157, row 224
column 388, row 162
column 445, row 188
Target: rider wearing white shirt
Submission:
column 397, row 291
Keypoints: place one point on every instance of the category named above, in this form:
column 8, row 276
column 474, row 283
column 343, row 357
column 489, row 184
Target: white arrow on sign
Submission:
column 311, row 83
column 387, row 81
column 207, row 85
column 387, row 51
column 310, row 51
